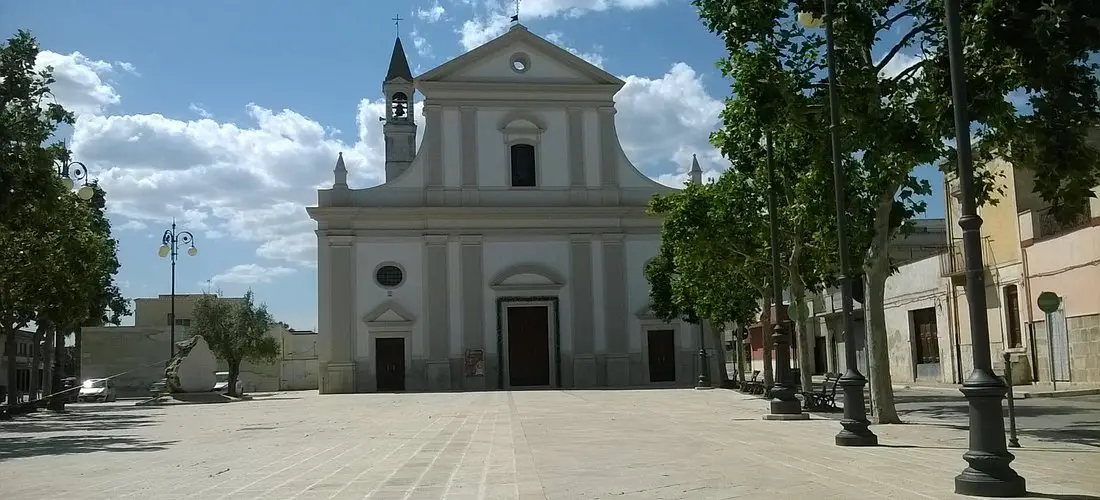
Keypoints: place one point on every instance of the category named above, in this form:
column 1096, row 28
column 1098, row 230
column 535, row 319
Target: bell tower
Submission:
column 400, row 127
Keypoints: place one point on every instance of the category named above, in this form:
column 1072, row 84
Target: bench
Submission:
column 825, row 399
column 752, row 385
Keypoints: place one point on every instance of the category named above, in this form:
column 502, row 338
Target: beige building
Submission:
column 136, row 355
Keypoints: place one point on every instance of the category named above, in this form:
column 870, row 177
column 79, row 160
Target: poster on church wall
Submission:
column 475, row 363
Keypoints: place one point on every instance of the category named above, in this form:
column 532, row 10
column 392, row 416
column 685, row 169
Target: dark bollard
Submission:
column 1013, row 442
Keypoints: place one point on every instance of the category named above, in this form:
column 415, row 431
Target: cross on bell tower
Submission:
column 400, row 127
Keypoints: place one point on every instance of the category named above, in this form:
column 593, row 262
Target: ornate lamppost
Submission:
column 856, row 429
column 704, row 367
column 784, row 405
column 988, row 472
column 169, row 248
column 72, row 172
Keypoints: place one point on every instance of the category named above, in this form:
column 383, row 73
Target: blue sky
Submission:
column 228, row 115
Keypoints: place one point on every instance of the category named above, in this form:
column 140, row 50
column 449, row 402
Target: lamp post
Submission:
column 855, row 428
column 784, row 405
column 71, row 171
column 988, row 472
column 169, row 247
column 704, row 372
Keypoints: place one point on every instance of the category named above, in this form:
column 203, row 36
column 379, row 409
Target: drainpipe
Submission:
column 1030, row 317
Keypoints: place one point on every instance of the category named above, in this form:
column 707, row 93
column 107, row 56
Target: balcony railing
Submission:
column 952, row 262
column 1046, row 225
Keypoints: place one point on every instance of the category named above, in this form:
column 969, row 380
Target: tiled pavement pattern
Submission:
column 644, row 444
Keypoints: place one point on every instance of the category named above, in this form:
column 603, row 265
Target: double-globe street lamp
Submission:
column 783, row 405
column 988, row 472
column 170, row 244
column 71, row 173
column 855, row 428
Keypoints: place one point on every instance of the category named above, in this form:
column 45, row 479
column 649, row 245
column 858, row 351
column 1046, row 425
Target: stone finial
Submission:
column 696, row 172
column 340, row 173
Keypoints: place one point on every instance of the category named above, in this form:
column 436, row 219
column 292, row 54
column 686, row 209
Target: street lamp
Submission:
column 784, row 405
column 169, row 247
column 704, row 368
column 75, row 171
column 988, row 472
column 856, row 429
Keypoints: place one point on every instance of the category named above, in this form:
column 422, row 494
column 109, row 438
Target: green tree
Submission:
column 896, row 120
column 237, row 331
column 705, row 267
column 52, row 258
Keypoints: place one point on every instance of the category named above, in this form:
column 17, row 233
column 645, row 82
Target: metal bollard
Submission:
column 1013, row 442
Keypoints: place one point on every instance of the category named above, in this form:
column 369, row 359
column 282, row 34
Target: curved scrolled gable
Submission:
column 549, row 278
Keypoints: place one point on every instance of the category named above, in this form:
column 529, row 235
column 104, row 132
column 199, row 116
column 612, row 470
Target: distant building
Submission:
column 135, row 355
column 24, row 361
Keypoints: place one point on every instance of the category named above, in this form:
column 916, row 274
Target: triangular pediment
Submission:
column 388, row 313
column 541, row 62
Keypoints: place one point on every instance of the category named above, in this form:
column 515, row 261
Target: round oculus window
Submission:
column 389, row 276
column 519, row 63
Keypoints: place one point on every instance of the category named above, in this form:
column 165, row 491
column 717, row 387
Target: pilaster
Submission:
column 437, row 312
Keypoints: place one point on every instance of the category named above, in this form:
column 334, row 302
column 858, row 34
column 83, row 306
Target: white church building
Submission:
column 509, row 251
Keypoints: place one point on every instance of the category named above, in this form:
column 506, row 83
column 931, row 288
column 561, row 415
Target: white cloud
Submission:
column 431, row 14
column 249, row 274
column 423, row 48
column 475, row 32
column 250, row 181
column 198, row 109
column 556, row 38
column 127, row 67
column 897, row 64
column 574, row 8
column 79, row 86
column 669, row 119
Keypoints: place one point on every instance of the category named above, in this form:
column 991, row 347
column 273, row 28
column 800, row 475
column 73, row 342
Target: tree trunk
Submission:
column 234, row 373
column 801, row 333
column 9, row 351
column 719, row 355
column 878, row 347
column 36, row 360
column 765, row 338
column 739, row 345
column 57, row 403
column 47, row 362
column 77, row 337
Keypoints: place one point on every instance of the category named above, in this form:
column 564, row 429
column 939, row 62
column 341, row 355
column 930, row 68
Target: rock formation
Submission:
column 192, row 368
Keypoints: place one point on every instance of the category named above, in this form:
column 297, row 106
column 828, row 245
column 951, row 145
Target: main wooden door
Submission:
column 528, row 346
column 662, row 356
column 389, row 362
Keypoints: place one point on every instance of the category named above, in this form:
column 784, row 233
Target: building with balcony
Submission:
column 1026, row 251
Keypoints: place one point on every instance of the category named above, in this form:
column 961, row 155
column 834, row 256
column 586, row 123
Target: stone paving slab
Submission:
column 642, row 444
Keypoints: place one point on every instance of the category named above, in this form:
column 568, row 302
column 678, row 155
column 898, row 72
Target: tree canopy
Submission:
column 236, row 330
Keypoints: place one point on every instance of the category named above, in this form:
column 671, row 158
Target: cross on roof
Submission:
column 397, row 22
column 515, row 18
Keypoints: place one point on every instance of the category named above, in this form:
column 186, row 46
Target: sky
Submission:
column 227, row 116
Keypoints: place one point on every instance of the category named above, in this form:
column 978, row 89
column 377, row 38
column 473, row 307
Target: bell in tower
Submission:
column 400, row 127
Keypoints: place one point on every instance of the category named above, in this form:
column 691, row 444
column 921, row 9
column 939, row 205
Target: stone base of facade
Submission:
column 575, row 371
column 337, row 378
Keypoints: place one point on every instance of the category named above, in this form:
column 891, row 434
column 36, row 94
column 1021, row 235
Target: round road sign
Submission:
column 1049, row 302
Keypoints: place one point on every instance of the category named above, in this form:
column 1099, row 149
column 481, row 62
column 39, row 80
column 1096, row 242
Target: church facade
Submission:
column 508, row 251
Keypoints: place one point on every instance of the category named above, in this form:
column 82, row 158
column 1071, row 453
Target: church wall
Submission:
column 452, row 146
column 408, row 254
column 500, row 253
column 591, row 147
column 552, row 147
column 498, row 67
column 639, row 250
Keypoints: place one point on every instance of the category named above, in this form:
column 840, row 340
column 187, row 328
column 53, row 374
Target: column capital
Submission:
column 436, row 239
column 340, row 240
column 471, row 239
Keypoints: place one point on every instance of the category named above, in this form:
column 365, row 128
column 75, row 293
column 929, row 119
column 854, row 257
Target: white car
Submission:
column 222, row 383
column 99, row 390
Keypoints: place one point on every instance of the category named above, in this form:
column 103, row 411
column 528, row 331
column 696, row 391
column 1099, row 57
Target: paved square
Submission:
column 644, row 444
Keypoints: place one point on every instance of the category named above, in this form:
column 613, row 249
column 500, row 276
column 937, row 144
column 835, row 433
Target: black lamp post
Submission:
column 784, row 405
column 855, row 428
column 988, row 472
column 169, row 247
column 72, row 172
column 704, row 372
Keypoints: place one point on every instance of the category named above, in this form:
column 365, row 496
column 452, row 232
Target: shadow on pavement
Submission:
column 24, row 447
column 81, row 419
column 1052, row 496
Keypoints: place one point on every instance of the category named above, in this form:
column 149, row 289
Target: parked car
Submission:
column 69, row 389
column 98, row 390
column 222, row 383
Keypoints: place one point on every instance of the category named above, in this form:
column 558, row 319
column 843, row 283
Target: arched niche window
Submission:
column 399, row 105
column 523, row 165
